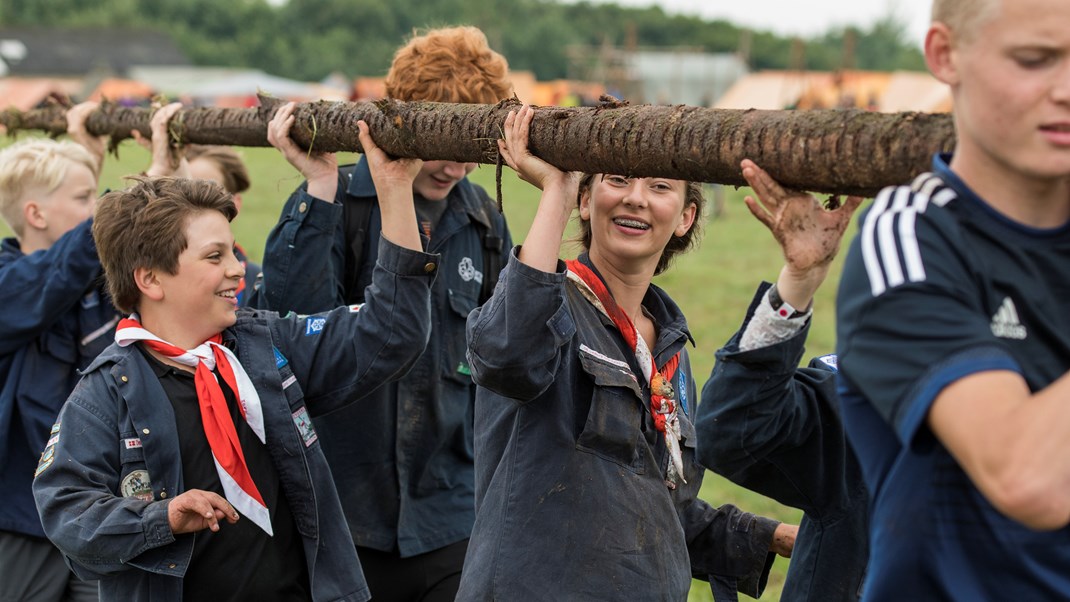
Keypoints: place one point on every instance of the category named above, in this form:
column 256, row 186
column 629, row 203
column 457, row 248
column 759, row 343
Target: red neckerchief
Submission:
column 661, row 394
column 217, row 422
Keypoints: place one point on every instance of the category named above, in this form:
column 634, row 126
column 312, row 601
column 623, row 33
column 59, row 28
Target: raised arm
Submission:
column 304, row 255
column 764, row 423
column 809, row 235
column 319, row 169
column 166, row 161
column 559, row 193
column 76, row 117
column 393, row 180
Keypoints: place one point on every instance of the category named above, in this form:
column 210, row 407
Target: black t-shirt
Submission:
column 240, row 561
column 428, row 213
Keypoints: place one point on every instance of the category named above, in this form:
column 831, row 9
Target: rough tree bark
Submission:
column 832, row 151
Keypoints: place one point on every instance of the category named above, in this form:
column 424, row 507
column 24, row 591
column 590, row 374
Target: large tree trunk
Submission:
column 833, row 151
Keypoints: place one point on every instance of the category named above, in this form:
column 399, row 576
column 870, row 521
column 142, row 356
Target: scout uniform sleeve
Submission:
column 772, row 427
column 75, row 486
column 37, row 289
column 516, row 339
column 350, row 351
column 304, row 256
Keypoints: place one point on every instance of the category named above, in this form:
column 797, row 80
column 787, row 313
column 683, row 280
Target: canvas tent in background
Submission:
column 25, row 93
column 873, row 90
column 230, row 87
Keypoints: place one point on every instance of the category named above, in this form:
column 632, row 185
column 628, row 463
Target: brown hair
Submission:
column 144, row 226
column 452, row 64
column 235, row 175
column 677, row 245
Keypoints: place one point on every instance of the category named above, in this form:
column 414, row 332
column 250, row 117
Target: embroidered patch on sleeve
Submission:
column 49, row 454
column 137, row 485
column 355, row 308
column 314, row 325
column 132, row 443
column 830, row 360
column 280, row 359
column 304, row 426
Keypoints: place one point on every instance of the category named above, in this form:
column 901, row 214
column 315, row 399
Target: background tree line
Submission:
column 308, row 39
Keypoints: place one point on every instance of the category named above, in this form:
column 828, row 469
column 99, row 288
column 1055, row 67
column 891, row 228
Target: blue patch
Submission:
column 314, row 325
column 280, row 359
column 681, row 387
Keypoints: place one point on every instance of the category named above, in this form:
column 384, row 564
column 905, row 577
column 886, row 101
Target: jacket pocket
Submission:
column 455, row 360
column 61, row 347
column 614, row 422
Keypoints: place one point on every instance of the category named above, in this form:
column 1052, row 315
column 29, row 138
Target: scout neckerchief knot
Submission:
column 219, row 429
column 662, row 397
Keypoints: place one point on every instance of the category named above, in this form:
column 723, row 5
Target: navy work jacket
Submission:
column 402, row 460
column 774, row 428
column 571, row 497
column 119, row 421
column 55, row 320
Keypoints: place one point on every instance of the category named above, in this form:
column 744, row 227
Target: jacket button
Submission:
column 172, row 565
column 124, row 378
column 429, row 267
column 163, row 495
column 302, row 207
column 145, row 431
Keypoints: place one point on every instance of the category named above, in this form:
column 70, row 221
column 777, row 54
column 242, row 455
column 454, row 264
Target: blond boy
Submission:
column 954, row 336
column 56, row 319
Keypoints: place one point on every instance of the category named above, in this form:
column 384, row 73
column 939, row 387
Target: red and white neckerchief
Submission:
column 662, row 396
column 219, row 429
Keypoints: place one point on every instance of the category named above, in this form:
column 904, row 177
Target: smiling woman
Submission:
column 596, row 383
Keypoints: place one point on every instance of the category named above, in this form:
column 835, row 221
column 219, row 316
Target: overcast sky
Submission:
column 801, row 17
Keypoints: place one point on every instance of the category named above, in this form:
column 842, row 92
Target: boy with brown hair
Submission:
column 954, row 325
column 403, row 464
column 201, row 412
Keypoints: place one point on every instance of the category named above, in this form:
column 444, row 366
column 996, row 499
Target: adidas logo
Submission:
column 1005, row 324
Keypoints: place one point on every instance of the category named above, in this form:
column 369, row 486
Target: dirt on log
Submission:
column 830, row 151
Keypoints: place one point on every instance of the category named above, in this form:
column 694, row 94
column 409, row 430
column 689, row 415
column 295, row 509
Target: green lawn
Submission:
column 713, row 284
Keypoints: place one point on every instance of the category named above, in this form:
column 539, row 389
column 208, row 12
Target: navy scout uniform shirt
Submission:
column 939, row 286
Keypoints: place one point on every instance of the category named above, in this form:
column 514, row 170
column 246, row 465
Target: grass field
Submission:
column 713, row 284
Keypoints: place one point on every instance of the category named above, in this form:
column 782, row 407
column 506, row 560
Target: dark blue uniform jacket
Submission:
column 300, row 365
column 774, row 428
column 571, row 499
column 402, row 460
column 55, row 320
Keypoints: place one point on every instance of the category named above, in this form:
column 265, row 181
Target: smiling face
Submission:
column 632, row 219
column 1011, row 84
column 198, row 300
column 437, row 178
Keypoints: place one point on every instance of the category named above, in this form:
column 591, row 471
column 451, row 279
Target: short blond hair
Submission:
column 964, row 17
column 450, row 64
column 35, row 164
